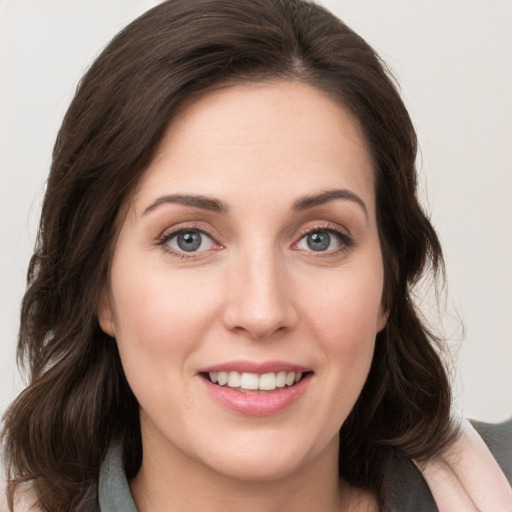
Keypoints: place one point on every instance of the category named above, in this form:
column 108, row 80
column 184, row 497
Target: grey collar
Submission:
column 113, row 490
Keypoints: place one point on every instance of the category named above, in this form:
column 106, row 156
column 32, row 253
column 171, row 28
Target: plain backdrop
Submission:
column 453, row 60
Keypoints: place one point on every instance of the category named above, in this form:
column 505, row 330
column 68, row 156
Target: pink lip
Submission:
column 255, row 367
column 254, row 404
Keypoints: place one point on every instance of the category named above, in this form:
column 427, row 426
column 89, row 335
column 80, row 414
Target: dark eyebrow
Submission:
column 203, row 202
column 310, row 201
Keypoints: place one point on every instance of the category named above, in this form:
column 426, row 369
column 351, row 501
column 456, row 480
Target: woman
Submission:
column 218, row 313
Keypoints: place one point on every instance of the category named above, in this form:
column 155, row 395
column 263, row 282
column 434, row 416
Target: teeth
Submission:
column 233, row 379
column 249, row 381
column 281, row 379
column 267, row 382
column 253, row 381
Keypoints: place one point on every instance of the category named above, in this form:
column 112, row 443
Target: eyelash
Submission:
column 164, row 239
column 345, row 240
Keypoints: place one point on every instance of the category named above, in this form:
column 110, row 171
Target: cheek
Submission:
column 347, row 308
column 346, row 316
column 160, row 321
column 161, row 318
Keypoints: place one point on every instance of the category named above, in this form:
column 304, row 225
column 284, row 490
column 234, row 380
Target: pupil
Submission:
column 189, row 241
column 319, row 241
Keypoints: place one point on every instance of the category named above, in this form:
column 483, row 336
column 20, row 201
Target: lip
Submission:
column 257, row 404
column 255, row 367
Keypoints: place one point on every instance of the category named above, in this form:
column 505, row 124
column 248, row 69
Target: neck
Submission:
column 169, row 481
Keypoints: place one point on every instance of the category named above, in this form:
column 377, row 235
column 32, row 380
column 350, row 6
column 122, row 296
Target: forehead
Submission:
column 259, row 138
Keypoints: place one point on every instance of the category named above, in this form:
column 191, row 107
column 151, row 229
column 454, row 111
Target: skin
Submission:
column 255, row 291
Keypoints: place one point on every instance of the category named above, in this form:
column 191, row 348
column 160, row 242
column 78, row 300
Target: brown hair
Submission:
column 78, row 402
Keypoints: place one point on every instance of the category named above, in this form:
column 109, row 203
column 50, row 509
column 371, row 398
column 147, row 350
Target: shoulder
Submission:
column 498, row 438
column 473, row 472
column 24, row 501
column 3, row 498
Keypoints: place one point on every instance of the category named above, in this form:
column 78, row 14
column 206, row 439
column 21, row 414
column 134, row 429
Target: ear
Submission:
column 105, row 314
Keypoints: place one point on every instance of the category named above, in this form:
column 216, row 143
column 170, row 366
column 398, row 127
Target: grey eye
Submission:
column 190, row 241
column 320, row 240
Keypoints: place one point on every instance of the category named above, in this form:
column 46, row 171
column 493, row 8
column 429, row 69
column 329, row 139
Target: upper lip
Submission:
column 255, row 367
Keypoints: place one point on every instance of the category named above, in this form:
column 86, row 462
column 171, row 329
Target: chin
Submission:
column 260, row 458
column 257, row 469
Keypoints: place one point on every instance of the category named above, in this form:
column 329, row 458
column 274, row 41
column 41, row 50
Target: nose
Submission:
column 260, row 296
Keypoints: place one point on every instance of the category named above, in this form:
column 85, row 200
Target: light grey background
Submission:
column 453, row 59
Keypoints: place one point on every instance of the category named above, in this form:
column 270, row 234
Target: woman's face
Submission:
column 249, row 253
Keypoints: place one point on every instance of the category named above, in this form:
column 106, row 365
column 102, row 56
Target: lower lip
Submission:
column 254, row 404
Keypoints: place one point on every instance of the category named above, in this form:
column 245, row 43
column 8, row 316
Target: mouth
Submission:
column 256, row 388
column 255, row 383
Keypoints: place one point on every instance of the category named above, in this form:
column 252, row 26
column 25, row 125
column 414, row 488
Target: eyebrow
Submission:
column 310, row 201
column 203, row 202
column 214, row 205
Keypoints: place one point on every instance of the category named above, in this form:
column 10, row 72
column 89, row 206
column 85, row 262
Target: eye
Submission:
column 189, row 240
column 323, row 240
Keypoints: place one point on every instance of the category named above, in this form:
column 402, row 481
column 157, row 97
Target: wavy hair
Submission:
column 78, row 403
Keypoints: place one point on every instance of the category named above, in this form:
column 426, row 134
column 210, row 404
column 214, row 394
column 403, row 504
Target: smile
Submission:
column 247, row 382
column 256, row 389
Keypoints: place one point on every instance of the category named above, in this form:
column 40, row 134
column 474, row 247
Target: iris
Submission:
column 319, row 240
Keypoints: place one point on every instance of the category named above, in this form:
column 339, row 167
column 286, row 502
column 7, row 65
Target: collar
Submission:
column 113, row 490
